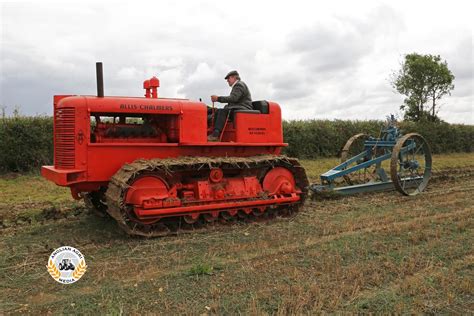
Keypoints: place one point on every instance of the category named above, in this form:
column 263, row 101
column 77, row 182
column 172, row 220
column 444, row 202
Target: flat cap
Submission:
column 232, row 73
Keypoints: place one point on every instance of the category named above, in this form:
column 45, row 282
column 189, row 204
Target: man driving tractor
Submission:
column 239, row 99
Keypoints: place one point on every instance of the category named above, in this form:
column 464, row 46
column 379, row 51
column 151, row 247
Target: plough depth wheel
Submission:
column 410, row 165
column 354, row 146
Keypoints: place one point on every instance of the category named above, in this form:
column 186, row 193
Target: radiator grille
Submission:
column 64, row 122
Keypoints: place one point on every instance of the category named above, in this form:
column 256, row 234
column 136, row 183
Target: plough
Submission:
column 363, row 159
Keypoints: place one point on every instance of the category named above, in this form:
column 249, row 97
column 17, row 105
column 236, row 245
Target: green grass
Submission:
column 34, row 190
column 201, row 269
column 381, row 252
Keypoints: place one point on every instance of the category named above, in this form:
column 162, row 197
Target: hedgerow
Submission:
column 325, row 138
column 26, row 143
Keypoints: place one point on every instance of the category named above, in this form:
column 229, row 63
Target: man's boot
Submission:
column 214, row 137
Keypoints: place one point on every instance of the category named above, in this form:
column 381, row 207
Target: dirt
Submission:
column 371, row 253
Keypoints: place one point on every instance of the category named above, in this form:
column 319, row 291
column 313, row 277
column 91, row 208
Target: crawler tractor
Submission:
column 147, row 163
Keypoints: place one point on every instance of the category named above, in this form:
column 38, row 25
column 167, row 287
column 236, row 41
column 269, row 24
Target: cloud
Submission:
column 461, row 63
column 326, row 48
column 326, row 60
column 200, row 82
column 339, row 44
column 326, row 69
column 290, row 86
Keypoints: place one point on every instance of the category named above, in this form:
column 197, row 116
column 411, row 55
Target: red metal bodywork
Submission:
column 87, row 156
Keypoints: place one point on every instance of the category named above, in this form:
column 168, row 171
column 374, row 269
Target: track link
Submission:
column 127, row 220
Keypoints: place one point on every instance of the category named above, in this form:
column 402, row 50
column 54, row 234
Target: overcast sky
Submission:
column 317, row 59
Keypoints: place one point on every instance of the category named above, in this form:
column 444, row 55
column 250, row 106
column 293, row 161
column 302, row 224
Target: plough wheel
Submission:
column 410, row 165
column 355, row 146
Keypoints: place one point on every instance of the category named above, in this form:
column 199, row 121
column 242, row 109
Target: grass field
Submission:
column 369, row 253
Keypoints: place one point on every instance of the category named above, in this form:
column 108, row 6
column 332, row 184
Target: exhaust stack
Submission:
column 100, row 79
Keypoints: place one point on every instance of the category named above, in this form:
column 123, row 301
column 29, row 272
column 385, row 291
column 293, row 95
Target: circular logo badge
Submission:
column 66, row 265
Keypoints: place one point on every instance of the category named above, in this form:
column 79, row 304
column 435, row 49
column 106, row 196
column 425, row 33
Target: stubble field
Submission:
column 368, row 253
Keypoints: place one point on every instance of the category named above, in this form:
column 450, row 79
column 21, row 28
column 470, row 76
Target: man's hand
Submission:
column 213, row 98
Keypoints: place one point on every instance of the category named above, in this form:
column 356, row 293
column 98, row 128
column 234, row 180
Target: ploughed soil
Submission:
column 378, row 252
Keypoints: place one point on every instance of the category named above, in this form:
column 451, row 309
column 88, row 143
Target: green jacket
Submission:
column 239, row 98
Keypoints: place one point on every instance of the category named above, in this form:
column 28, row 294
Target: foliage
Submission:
column 26, row 143
column 422, row 79
column 323, row 138
column 443, row 137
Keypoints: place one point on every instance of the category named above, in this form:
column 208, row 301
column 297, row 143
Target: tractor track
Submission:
column 119, row 185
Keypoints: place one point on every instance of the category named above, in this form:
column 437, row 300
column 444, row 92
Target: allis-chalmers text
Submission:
column 146, row 107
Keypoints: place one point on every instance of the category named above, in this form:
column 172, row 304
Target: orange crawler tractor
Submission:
column 147, row 162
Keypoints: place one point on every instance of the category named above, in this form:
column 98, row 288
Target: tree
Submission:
column 424, row 80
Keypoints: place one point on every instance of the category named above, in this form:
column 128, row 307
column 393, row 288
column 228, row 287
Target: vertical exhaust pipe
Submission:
column 100, row 79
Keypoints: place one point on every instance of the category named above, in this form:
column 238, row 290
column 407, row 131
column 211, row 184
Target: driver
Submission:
column 239, row 99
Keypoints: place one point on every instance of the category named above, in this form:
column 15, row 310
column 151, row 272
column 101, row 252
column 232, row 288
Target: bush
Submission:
column 444, row 137
column 324, row 138
column 26, row 143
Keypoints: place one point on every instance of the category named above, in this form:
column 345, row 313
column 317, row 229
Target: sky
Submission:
column 317, row 59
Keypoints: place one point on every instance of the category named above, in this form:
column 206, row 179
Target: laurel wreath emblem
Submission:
column 53, row 270
column 79, row 270
column 70, row 259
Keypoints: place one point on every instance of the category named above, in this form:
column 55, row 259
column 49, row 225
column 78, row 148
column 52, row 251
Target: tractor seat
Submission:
column 261, row 106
